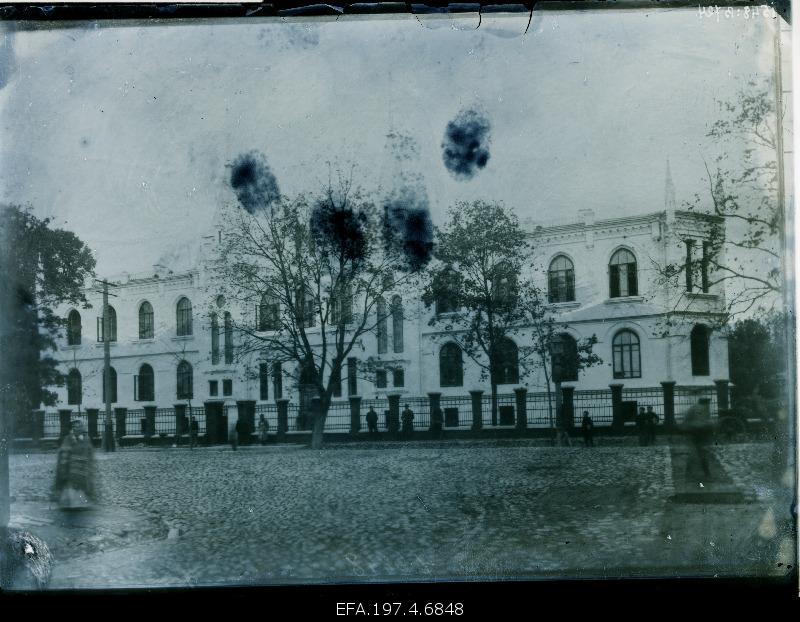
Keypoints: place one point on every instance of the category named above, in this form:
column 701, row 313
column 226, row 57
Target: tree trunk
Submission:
column 319, row 426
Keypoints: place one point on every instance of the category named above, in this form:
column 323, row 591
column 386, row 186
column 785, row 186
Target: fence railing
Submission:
column 456, row 410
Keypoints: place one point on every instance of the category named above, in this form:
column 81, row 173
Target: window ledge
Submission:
column 183, row 338
column 148, row 340
column 702, row 295
column 100, row 344
column 572, row 304
column 621, row 299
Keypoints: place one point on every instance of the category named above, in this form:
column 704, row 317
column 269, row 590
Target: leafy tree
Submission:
column 757, row 351
column 41, row 267
column 482, row 254
column 309, row 273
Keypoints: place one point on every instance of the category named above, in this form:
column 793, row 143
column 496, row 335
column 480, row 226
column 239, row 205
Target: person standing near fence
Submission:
column 408, row 422
column 263, row 429
column 372, row 422
column 641, row 430
column 587, row 425
column 651, row 421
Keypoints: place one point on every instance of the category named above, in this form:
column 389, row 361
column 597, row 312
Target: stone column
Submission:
column 355, row 414
column 723, row 403
column 616, row 406
column 522, row 407
column 568, row 406
column 283, row 419
column 669, row 402
column 477, row 410
column 64, row 418
column 121, row 414
column 149, row 422
column 394, row 415
column 92, row 415
column 434, row 401
column 246, row 411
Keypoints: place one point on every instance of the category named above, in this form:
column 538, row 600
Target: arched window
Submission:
column 228, row 339
column 268, row 317
column 564, row 358
column 504, row 284
column 622, row 274
column 506, row 367
column 74, row 389
column 447, row 285
column 382, row 327
column 451, row 366
column 699, row 344
column 184, row 317
column 561, row 280
column 146, row 330
column 627, row 357
column 144, row 387
column 185, row 381
column 113, row 383
column 397, row 323
column 112, row 320
column 74, row 328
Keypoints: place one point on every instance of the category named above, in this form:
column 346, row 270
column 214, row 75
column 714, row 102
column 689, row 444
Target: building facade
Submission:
column 173, row 338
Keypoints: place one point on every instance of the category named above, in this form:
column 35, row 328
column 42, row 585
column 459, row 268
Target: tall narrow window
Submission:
column 380, row 378
column 336, row 381
column 564, row 358
column 447, row 285
column 506, row 367
column 399, row 377
column 451, row 366
column 342, row 307
column 397, row 323
column 112, row 320
column 144, row 385
column 383, row 336
column 185, row 381
column 622, row 274
column 689, row 264
column 74, row 328
column 627, row 357
column 561, row 280
column 704, row 266
column 700, row 344
column 74, row 387
column 268, row 317
column 263, row 381
column 227, row 387
column 228, row 339
column 352, row 379
column 214, row 339
column 277, row 380
column 305, row 308
column 184, row 317
column 146, row 329
column 113, row 382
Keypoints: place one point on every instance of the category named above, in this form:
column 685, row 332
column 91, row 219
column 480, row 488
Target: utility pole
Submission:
column 108, row 430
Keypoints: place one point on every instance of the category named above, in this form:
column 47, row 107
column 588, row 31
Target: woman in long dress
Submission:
column 74, row 485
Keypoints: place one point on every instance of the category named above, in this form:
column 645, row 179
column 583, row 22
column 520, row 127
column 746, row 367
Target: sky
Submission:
column 124, row 133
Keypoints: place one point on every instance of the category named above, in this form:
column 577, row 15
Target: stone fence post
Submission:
column 355, row 414
column 283, row 419
column 477, row 410
column 433, row 403
column 92, row 415
column 669, row 403
column 64, row 421
column 568, row 406
column 522, row 408
column 121, row 415
column 616, row 406
column 149, row 422
column 394, row 415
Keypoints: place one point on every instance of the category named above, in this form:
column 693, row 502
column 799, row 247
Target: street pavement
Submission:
column 410, row 511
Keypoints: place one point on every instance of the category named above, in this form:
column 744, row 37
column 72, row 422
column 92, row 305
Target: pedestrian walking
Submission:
column 641, row 430
column 193, row 430
column 437, row 423
column 587, row 425
column 263, row 429
column 74, row 485
column 408, row 422
column 239, row 431
column 372, row 422
column 651, row 421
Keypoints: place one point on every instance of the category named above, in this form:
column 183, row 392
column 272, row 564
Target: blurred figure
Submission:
column 74, row 486
column 641, row 418
column 263, row 429
column 193, row 427
column 562, row 429
column 408, row 422
column 650, row 423
column 587, row 425
column 697, row 425
column 372, row 423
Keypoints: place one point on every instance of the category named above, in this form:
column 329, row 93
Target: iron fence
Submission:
column 686, row 397
column 598, row 403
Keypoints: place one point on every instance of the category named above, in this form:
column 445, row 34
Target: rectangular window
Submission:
column 277, row 381
column 352, row 380
column 380, row 378
column 227, row 387
column 213, row 387
column 263, row 381
column 336, row 380
column 704, row 266
column 689, row 265
column 399, row 377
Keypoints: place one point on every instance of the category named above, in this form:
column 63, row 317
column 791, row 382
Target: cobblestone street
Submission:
column 284, row 513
